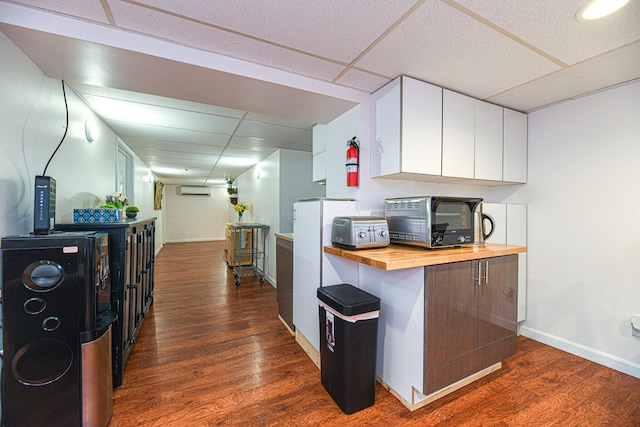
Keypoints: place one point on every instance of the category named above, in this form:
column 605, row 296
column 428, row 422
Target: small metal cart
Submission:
column 248, row 246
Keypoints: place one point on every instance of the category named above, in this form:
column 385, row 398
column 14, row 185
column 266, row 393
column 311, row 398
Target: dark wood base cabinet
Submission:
column 470, row 318
column 132, row 256
column 284, row 278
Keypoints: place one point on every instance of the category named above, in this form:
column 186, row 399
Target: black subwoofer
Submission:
column 51, row 312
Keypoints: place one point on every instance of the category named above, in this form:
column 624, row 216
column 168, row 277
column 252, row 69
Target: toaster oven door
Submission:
column 452, row 220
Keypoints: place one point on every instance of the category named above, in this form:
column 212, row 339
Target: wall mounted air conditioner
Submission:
column 192, row 190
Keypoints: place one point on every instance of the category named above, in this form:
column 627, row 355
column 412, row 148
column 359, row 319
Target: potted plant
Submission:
column 230, row 188
column 132, row 211
column 110, row 211
column 115, row 200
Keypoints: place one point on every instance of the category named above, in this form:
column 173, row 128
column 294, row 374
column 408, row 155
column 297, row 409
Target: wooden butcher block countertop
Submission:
column 397, row 257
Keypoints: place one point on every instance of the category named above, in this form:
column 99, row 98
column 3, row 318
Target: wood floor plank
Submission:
column 211, row 353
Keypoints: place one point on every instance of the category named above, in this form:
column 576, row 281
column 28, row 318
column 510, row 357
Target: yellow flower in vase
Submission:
column 240, row 208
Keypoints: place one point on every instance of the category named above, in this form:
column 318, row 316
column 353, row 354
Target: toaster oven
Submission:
column 430, row 221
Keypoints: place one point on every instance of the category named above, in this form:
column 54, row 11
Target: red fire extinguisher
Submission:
column 353, row 153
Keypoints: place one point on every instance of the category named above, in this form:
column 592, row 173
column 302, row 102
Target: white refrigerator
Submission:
column 312, row 267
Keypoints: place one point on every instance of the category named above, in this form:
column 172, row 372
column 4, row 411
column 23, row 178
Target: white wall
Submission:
column 284, row 177
column 32, row 119
column 296, row 182
column 583, row 229
column 196, row 218
column 32, row 115
column 143, row 197
column 33, row 122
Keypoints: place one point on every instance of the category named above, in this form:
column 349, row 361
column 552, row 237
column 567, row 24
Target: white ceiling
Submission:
column 200, row 121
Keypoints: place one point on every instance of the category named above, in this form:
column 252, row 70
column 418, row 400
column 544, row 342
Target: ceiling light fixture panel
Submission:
column 597, row 9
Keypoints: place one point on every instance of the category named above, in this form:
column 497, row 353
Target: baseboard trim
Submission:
column 599, row 357
column 291, row 331
column 308, row 348
column 212, row 239
column 420, row 400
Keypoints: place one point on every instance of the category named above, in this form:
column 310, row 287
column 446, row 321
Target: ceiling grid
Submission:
column 523, row 55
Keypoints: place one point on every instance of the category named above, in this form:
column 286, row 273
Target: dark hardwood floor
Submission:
column 213, row 353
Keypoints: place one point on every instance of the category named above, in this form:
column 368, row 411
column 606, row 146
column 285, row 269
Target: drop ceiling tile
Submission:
column 238, row 162
column 620, row 65
column 168, row 155
column 249, row 143
column 253, row 151
column 277, row 133
column 550, row 25
column 278, row 121
column 443, row 46
column 87, row 9
column 148, row 99
column 179, row 163
column 200, row 36
column 179, row 169
column 150, row 144
column 362, row 80
column 159, row 115
column 334, row 29
column 158, row 133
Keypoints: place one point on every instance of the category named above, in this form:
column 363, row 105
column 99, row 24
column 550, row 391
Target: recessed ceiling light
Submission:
column 596, row 9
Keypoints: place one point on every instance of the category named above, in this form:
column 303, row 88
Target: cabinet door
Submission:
column 138, row 283
column 488, row 141
column 129, row 292
column 421, row 145
column 451, row 321
column 458, row 130
column 515, row 146
column 229, row 244
column 517, row 235
column 385, row 154
column 284, row 276
column 498, row 299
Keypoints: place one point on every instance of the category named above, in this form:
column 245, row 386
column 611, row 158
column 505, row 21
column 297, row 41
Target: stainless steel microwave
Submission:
column 430, row 221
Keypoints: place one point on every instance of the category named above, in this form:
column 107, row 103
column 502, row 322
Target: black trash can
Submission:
column 348, row 341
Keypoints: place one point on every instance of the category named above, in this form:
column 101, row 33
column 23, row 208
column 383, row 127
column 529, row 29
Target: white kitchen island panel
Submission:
column 400, row 349
column 312, row 267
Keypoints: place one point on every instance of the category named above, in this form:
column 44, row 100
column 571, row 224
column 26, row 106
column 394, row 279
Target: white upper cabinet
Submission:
column 319, row 147
column 515, row 146
column 407, row 129
column 458, row 129
column 421, row 127
column 422, row 132
column 488, row 142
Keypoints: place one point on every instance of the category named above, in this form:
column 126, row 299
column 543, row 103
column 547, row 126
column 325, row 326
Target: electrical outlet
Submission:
column 635, row 326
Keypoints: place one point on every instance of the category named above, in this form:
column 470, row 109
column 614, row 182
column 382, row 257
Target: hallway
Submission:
column 213, row 353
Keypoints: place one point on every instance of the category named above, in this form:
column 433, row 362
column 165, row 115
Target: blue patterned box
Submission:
column 96, row 216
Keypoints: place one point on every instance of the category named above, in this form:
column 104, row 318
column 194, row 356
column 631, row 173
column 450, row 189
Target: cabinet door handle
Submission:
column 486, row 272
column 473, row 276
